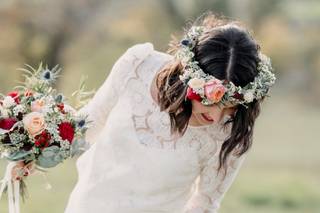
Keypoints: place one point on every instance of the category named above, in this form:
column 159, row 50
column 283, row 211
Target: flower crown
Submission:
column 209, row 90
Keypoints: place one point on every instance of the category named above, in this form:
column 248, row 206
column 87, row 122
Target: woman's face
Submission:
column 205, row 115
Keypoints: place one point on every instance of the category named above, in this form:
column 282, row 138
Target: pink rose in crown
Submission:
column 214, row 90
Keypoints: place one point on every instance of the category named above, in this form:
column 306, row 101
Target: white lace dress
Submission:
column 133, row 165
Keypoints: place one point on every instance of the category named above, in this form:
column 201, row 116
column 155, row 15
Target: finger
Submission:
column 15, row 170
column 30, row 165
column 30, row 169
column 20, row 164
column 16, row 177
column 26, row 173
column 18, row 170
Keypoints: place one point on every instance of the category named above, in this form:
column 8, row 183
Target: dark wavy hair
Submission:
column 226, row 51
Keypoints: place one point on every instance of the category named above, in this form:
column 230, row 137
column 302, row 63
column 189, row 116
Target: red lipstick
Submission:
column 206, row 117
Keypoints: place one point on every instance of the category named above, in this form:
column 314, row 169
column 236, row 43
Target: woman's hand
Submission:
column 22, row 170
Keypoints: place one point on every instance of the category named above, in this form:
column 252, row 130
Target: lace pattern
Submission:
column 212, row 186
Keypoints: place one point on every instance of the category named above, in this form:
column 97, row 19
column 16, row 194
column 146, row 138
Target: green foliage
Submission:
column 82, row 96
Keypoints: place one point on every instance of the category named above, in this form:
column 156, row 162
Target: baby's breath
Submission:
column 17, row 138
column 19, row 109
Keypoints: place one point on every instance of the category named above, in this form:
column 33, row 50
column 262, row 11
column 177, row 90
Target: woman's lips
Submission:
column 206, row 117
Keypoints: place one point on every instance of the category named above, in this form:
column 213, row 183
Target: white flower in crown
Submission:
column 8, row 102
column 196, row 83
column 248, row 96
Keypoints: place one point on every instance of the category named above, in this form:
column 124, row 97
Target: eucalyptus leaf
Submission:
column 50, row 157
column 18, row 155
column 78, row 147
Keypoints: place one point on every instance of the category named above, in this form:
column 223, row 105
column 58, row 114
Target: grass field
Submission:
column 280, row 175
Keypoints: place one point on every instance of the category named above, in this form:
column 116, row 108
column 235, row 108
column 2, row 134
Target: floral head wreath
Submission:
column 209, row 90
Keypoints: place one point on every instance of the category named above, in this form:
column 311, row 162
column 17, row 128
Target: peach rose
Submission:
column 214, row 90
column 37, row 105
column 34, row 123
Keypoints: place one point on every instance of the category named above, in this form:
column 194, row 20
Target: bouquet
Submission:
column 38, row 127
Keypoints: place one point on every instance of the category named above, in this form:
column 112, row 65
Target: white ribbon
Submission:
column 12, row 190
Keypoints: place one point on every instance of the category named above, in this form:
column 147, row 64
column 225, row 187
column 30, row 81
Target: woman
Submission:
column 170, row 131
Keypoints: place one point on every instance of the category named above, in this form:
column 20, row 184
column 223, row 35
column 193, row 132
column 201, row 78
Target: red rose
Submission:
column 192, row 95
column 66, row 131
column 7, row 123
column 15, row 96
column 238, row 96
column 42, row 140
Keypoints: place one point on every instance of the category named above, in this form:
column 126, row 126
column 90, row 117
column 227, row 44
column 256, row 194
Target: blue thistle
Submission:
column 50, row 76
column 59, row 98
column 81, row 123
column 47, row 75
column 185, row 42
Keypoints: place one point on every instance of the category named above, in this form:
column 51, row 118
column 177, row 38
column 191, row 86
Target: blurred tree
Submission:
column 182, row 11
column 260, row 9
column 47, row 27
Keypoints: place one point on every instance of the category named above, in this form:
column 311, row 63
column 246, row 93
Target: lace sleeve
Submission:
column 99, row 107
column 212, row 186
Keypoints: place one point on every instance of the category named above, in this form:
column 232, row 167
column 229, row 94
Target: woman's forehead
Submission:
column 227, row 104
column 230, row 105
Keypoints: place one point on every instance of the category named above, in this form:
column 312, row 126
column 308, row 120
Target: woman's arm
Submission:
column 107, row 95
column 211, row 187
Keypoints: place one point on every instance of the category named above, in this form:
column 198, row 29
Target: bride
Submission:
column 171, row 130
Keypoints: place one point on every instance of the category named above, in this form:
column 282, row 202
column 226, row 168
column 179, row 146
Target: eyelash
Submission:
column 231, row 119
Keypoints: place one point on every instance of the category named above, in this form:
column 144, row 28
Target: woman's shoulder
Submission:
column 146, row 50
column 141, row 49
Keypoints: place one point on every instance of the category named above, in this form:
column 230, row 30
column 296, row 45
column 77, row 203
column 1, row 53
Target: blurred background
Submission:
column 282, row 171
